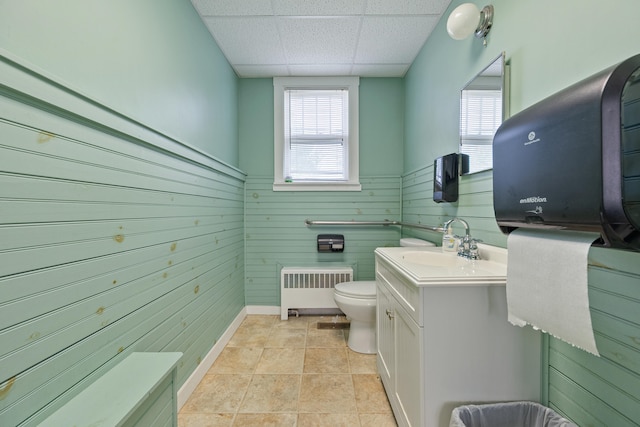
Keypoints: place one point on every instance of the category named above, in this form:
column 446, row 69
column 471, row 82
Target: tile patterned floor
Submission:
column 289, row 374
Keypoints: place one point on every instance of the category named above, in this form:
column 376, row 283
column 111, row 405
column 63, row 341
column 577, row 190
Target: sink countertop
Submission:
column 431, row 266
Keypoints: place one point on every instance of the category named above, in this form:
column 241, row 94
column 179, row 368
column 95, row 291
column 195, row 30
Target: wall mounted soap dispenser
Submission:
column 445, row 178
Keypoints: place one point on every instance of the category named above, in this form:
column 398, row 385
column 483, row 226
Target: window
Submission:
column 316, row 134
column 480, row 117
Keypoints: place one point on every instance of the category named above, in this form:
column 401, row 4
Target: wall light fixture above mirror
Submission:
column 484, row 104
column 467, row 19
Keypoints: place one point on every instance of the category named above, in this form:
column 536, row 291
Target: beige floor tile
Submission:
column 326, row 360
column 301, row 322
column 362, row 363
column 281, row 361
column 370, row 395
column 237, row 360
column 327, row 393
column 313, row 321
column 272, row 393
column 326, row 338
column 287, row 337
column 378, row 420
column 289, row 373
column 265, row 420
column 249, row 336
column 218, row 393
column 205, row 420
column 330, row 420
column 259, row 320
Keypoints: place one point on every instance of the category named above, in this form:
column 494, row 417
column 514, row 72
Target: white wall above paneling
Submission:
column 369, row 38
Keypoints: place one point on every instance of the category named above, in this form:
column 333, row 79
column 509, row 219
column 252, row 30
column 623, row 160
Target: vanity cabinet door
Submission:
column 399, row 357
column 408, row 368
column 385, row 338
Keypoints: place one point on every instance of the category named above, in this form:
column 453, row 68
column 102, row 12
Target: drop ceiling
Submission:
column 368, row 38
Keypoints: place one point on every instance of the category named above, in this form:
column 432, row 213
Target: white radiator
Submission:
column 302, row 287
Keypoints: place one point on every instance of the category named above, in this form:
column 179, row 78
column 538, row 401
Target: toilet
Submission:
column 358, row 301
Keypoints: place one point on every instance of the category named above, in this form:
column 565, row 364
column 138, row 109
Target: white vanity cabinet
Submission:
column 399, row 340
column 444, row 345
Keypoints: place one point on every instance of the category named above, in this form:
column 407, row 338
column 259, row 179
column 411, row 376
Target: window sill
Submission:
column 313, row 186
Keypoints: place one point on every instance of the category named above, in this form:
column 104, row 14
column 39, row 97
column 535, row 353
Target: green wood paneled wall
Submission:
column 109, row 243
column 277, row 236
column 475, row 204
column 151, row 60
column 605, row 390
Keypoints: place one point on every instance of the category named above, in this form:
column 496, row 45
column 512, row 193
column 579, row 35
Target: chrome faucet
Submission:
column 468, row 246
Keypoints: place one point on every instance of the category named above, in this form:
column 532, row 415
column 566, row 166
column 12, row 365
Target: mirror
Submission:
column 483, row 106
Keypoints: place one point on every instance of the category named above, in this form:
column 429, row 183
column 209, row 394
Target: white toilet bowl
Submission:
column 358, row 301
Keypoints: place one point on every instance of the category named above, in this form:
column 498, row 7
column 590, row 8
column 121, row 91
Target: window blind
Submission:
column 480, row 117
column 480, row 113
column 316, row 134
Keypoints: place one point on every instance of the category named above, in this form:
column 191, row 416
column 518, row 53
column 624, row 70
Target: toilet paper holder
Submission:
column 330, row 242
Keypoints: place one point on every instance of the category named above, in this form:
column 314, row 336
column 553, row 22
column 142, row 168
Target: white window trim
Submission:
column 279, row 86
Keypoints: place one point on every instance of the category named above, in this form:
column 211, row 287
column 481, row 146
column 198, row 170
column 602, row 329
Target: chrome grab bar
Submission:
column 386, row 222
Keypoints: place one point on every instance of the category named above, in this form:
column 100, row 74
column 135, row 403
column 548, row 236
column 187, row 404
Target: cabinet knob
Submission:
column 389, row 314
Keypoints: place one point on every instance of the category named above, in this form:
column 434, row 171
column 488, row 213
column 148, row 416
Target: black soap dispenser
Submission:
column 445, row 178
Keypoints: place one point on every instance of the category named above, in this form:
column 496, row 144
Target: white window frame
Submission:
column 280, row 84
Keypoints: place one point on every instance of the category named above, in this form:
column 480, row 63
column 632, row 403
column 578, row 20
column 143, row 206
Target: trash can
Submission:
column 508, row 414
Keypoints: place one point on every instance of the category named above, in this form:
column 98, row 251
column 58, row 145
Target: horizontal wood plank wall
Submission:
column 475, row 205
column 591, row 391
column 605, row 390
column 277, row 236
column 109, row 244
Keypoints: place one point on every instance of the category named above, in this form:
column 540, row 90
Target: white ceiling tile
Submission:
column 378, row 38
column 257, row 71
column 380, row 70
column 318, row 40
column 320, row 70
column 318, row 8
column 393, row 40
column 406, row 7
column 252, row 40
column 234, row 7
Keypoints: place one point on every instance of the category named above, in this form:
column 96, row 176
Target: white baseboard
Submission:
column 263, row 309
column 198, row 374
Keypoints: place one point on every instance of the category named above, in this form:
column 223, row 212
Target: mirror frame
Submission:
column 500, row 59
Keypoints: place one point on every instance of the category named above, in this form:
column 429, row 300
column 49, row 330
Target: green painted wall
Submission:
column 549, row 45
column 121, row 207
column 381, row 126
column 159, row 104
column 275, row 230
column 152, row 61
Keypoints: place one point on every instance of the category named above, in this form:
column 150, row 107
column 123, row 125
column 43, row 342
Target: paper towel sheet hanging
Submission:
column 547, row 284
column 572, row 161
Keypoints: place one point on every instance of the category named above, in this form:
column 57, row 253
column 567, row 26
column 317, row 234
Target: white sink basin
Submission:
column 432, row 258
column 431, row 266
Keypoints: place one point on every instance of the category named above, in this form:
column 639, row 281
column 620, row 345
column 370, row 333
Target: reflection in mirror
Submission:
column 483, row 107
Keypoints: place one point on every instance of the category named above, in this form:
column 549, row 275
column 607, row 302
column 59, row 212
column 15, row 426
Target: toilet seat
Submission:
column 357, row 289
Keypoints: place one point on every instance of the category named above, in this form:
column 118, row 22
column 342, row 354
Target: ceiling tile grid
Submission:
column 368, row 38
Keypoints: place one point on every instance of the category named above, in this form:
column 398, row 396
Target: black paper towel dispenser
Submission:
column 573, row 160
